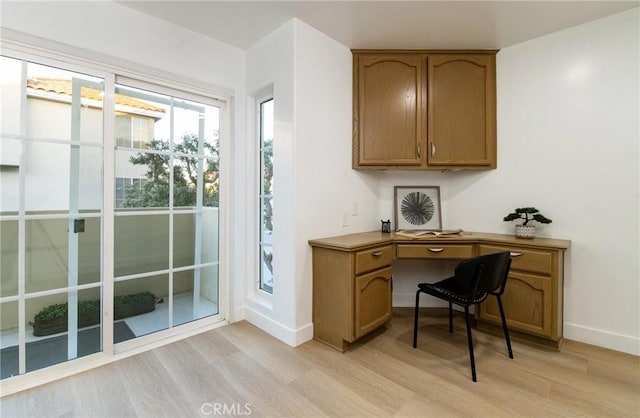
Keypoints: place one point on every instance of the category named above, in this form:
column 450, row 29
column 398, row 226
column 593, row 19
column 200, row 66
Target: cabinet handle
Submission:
column 377, row 253
column 436, row 250
column 512, row 254
column 418, row 150
column 433, row 149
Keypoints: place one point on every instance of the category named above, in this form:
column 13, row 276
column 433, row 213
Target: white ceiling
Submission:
column 385, row 24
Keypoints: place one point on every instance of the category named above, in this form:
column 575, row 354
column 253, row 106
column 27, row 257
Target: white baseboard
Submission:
column 289, row 336
column 625, row 343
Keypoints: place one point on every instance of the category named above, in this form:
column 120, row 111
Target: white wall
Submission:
column 314, row 184
column 568, row 129
column 568, row 136
column 326, row 189
column 270, row 66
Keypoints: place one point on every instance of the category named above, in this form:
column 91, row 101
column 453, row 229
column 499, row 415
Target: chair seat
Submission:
column 453, row 291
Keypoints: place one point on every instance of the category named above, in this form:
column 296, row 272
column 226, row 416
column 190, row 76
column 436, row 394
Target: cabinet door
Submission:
column 527, row 303
column 372, row 301
column 462, row 110
column 388, row 110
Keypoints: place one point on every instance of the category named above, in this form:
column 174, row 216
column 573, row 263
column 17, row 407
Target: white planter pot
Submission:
column 525, row 231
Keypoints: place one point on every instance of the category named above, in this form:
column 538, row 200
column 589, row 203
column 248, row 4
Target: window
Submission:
column 265, row 114
column 133, row 131
column 128, row 188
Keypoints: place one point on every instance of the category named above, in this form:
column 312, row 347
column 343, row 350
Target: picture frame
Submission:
column 417, row 208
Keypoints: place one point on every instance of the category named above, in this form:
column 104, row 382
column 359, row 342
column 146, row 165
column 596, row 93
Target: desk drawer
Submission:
column 535, row 261
column 373, row 259
column 434, row 251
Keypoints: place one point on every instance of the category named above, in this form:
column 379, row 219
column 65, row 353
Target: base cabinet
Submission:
column 351, row 293
column 532, row 297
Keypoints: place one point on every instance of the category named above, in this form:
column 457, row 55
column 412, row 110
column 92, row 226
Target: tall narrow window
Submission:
column 265, row 112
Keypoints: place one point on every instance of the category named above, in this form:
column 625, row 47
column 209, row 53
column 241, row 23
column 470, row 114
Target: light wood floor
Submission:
column 242, row 371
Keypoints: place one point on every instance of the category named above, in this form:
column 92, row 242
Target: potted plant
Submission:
column 530, row 216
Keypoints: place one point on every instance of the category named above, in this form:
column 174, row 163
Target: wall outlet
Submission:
column 345, row 219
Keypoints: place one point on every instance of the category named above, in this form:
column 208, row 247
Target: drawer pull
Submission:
column 377, row 253
column 512, row 254
column 436, row 250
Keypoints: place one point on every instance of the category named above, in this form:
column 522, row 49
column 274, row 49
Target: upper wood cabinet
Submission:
column 390, row 120
column 424, row 110
column 462, row 110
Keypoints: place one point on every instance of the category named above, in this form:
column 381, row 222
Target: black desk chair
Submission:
column 474, row 279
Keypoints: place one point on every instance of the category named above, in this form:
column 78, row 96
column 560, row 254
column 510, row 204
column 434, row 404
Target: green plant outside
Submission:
column 62, row 309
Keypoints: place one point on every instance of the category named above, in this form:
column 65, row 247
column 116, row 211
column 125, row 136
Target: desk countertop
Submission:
column 364, row 240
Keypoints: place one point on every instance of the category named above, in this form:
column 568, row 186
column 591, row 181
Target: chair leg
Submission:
column 415, row 320
column 470, row 341
column 450, row 317
column 504, row 326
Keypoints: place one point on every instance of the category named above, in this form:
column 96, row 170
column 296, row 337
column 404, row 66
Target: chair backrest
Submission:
column 486, row 273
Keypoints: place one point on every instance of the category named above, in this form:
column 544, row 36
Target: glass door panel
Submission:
column 141, row 243
column 51, row 217
column 166, row 194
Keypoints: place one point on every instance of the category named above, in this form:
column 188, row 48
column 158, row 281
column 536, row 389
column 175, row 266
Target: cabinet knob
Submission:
column 436, row 250
column 512, row 254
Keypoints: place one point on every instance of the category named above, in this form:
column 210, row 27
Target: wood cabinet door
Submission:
column 372, row 301
column 389, row 112
column 462, row 111
column 527, row 301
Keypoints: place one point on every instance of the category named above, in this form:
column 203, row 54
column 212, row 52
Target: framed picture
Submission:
column 417, row 207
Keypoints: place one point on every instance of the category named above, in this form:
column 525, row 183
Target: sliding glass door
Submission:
column 145, row 238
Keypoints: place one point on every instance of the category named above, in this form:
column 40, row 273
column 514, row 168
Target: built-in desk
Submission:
column 352, row 282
